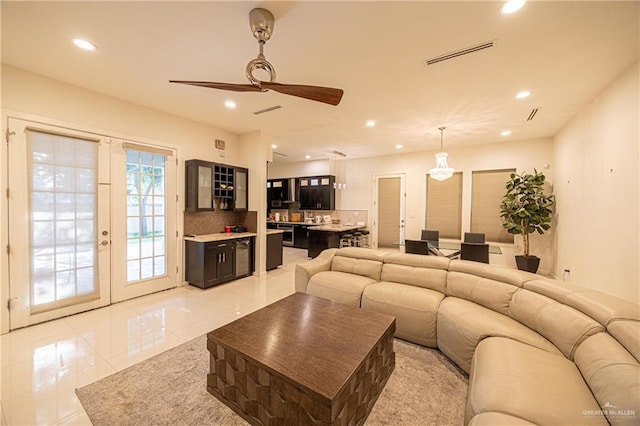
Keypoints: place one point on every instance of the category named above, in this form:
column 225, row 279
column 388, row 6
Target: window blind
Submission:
column 444, row 206
column 488, row 188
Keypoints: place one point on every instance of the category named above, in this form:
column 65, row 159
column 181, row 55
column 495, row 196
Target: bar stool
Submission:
column 346, row 240
column 363, row 239
column 356, row 238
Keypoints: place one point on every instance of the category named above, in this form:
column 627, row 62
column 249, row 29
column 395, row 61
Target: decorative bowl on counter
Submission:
column 335, row 221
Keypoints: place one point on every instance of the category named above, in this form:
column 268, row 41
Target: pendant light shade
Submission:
column 441, row 171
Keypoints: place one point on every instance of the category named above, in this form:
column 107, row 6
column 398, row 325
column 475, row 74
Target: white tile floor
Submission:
column 43, row 364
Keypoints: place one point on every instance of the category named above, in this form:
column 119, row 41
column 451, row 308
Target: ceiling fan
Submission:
column 261, row 21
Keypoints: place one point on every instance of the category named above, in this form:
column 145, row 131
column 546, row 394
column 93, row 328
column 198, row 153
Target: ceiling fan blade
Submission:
column 326, row 95
column 222, row 86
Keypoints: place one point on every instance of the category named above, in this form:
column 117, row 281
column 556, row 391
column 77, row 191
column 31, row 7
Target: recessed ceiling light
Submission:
column 84, row 44
column 371, row 123
column 230, row 104
column 505, row 133
column 523, row 94
column 274, row 146
column 512, row 6
column 399, row 146
column 307, row 156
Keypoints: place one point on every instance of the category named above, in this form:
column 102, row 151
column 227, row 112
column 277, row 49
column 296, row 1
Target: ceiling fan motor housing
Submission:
column 261, row 21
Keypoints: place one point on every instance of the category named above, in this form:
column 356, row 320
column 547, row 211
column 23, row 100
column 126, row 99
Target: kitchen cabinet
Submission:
column 301, row 236
column 198, row 186
column 209, row 264
column 317, row 193
column 241, row 192
column 277, row 193
column 274, row 250
column 231, row 187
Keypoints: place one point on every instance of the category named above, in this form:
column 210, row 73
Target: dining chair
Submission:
column 473, row 237
column 478, row 252
column 432, row 236
column 416, row 247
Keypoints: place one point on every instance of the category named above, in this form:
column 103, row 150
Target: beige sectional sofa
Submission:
column 537, row 351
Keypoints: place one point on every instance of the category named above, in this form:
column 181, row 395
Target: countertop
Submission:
column 275, row 231
column 289, row 222
column 336, row 228
column 220, row 236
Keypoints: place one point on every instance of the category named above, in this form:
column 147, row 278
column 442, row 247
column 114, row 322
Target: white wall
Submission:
column 521, row 155
column 597, row 187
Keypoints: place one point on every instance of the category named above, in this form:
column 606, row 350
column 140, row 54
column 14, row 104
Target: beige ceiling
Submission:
column 565, row 53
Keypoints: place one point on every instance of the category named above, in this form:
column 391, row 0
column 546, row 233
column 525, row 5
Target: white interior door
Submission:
column 144, row 219
column 59, row 224
column 389, row 207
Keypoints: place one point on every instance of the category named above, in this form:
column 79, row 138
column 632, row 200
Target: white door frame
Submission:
column 402, row 207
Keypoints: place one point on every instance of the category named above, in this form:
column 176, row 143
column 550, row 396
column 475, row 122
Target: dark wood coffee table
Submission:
column 302, row 360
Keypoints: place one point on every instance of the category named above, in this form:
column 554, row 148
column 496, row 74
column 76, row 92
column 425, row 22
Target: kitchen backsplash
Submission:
column 213, row 222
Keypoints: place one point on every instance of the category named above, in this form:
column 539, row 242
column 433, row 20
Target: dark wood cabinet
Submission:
column 274, row 250
column 198, row 186
column 231, row 187
column 241, row 190
column 210, row 186
column 277, row 193
column 209, row 264
column 317, row 193
column 301, row 236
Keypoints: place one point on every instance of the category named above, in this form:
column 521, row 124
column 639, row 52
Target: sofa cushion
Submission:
column 417, row 270
column 497, row 419
column 520, row 380
column 358, row 261
column 563, row 325
column 495, row 295
column 461, row 325
column 613, row 376
column 627, row 332
column 602, row 307
column 415, row 309
column 339, row 286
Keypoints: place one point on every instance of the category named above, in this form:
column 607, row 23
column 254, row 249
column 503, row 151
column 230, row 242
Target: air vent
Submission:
column 280, row 154
column 533, row 114
column 273, row 108
column 460, row 52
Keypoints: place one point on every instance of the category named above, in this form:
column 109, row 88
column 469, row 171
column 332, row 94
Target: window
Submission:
column 146, row 245
column 63, row 186
column 444, row 206
column 486, row 194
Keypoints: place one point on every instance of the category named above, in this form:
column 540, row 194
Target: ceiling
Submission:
column 564, row 53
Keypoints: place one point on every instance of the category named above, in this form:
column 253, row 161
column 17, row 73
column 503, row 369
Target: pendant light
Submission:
column 441, row 171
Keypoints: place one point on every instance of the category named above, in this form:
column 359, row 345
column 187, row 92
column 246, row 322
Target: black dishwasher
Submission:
column 243, row 257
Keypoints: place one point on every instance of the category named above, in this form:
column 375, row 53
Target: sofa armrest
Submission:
column 305, row 270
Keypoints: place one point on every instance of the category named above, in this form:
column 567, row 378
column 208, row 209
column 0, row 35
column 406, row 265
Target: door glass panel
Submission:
column 62, row 192
column 146, row 215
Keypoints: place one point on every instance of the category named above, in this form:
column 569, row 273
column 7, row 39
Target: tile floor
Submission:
column 43, row 364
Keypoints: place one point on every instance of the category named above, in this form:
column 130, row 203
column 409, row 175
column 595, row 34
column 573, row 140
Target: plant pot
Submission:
column 528, row 263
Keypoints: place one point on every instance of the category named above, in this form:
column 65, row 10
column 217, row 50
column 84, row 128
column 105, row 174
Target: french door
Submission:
column 144, row 221
column 92, row 220
column 59, row 222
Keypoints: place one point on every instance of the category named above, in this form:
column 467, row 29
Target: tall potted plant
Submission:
column 525, row 209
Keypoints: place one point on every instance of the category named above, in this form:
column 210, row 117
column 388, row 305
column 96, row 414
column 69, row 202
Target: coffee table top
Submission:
column 311, row 341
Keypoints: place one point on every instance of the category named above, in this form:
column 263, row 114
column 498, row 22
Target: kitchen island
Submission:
column 322, row 237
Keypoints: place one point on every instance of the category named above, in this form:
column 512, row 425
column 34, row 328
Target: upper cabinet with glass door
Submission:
column 241, row 192
column 198, row 186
